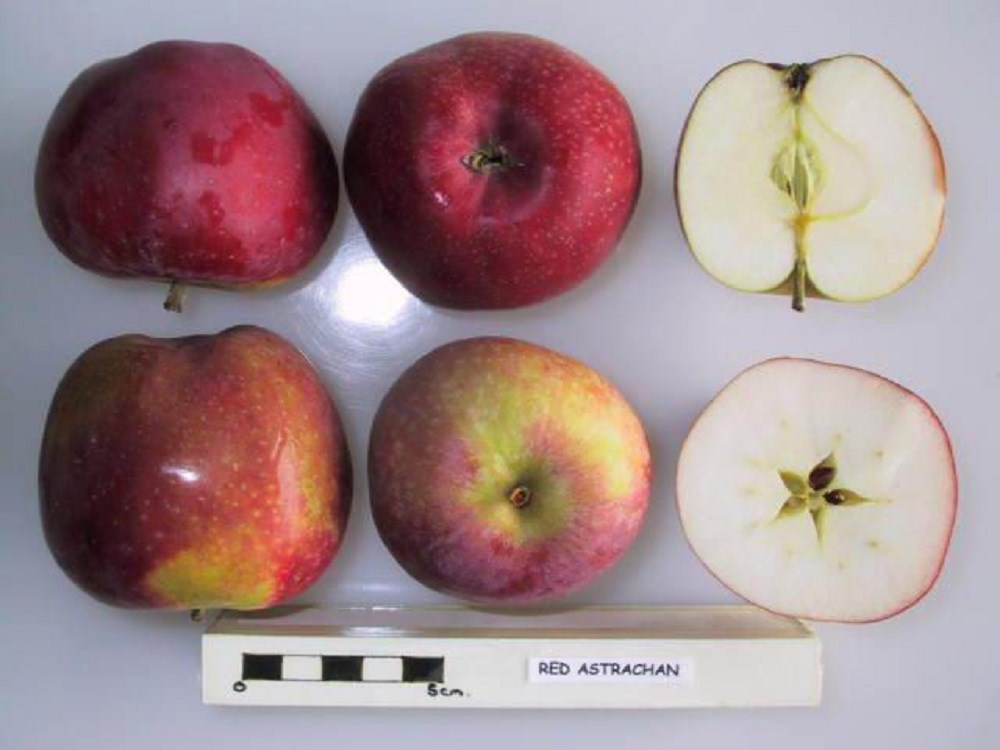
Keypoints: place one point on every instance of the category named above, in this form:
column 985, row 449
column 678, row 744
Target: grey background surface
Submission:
column 76, row 674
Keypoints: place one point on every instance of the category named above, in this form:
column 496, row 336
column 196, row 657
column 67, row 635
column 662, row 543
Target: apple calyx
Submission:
column 175, row 297
column 520, row 496
column 797, row 172
column 490, row 158
column 814, row 493
column 796, row 78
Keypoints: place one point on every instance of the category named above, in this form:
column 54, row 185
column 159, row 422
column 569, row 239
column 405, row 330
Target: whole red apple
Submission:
column 504, row 472
column 186, row 162
column 492, row 170
column 200, row 472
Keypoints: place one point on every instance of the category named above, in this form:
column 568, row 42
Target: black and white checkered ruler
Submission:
column 339, row 668
column 640, row 657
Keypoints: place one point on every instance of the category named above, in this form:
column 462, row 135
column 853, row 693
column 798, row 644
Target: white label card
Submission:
column 616, row 669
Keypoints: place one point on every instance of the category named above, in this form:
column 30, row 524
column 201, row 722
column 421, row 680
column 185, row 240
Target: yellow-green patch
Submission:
column 214, row 575
column 499, row 416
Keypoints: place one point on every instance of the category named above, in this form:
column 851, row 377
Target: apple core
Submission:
column 815, row 495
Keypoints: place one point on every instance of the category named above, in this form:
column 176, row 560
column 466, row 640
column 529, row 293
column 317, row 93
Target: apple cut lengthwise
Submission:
column 821, row 179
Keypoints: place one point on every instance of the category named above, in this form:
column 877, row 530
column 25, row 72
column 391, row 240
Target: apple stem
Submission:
column 489, row 158
column 799, row 274
column 175, row 297
column 520, row 496
column 799, row 285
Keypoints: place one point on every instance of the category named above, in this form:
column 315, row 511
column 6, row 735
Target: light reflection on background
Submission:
column 361, row 329
column 357, row 291
column 359, row 325
column 365, row 292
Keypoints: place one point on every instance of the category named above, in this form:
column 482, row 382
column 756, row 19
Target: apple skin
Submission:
column 470, row 423
column 188, row 162
column 199, row 472
column 461, row 237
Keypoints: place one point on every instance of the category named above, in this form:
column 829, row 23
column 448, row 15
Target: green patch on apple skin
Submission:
column 526, row 500
column 571, row 446
column 563, row 470
column 216, row 575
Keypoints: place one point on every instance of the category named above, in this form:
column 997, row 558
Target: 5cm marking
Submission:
column 435, row 690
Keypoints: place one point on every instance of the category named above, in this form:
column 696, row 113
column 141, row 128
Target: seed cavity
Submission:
column 814, row 493
column 796, row 172
column 793, row 482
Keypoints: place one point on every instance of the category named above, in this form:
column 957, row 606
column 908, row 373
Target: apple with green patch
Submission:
column 822, row 179
column 819, row 491
column 194, row 473
column 504, row 472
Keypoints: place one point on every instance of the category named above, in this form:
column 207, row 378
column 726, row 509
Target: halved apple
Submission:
column 819, row 491
column 822, row 179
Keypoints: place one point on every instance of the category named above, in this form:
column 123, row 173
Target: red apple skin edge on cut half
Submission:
column 195, row 473
column 819, row 491
column 187, row 163
column 505, row 473
column 492, row 170
column 820, row 179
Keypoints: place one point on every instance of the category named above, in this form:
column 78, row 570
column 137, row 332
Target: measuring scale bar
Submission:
column 463, row 657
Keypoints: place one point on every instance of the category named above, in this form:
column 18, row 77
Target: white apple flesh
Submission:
column 823, row 179
column 819, row 491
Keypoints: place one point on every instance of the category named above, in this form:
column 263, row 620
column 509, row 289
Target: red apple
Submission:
column 201, row 472
column 492, row 170
column 186, row 162
column 500, row 471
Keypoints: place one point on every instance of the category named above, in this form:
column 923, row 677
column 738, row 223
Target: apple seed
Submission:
column 823, row 473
